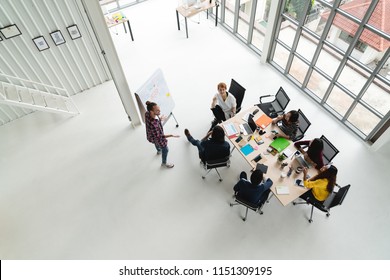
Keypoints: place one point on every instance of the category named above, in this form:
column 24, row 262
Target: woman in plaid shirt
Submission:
column 155, row 132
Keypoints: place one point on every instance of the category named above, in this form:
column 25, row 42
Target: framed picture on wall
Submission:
column 74, row 32
column 41, row 43
column 10, row 31
column 57, row 37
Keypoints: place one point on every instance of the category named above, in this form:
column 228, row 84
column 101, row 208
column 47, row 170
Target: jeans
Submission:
column 197, row 144
column 164, row 154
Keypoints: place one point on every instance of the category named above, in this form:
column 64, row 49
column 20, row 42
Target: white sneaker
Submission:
column 159, row 153
column 167, row 165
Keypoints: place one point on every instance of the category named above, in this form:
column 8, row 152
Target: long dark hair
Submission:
column 150, row 105
column 329, row 174
column 316, row 147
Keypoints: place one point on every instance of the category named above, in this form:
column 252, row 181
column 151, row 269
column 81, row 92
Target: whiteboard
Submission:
column 155, row 89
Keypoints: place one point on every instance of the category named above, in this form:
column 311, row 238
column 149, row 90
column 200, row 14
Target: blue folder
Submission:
column 247, row 149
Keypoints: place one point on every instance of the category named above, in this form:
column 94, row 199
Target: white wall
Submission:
column 75, row 65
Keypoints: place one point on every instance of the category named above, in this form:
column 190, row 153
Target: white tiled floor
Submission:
column 91, row 186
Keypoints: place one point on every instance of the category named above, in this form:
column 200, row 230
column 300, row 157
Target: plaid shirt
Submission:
column 154, row 131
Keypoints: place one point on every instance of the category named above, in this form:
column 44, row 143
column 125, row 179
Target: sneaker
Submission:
column 159, row 152
column 167, row 165
column 187, row 132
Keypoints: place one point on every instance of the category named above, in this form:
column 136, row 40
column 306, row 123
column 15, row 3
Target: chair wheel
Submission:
column 294, row 203
column 231, row 204
column 261, row 213
column 220, row 180
column 228, row 165
column 244, row 219
column 327, row 214
column 203, row 177
column 310, row 221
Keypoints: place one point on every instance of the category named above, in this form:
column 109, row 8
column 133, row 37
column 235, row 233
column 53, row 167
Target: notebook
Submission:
column 282, row 190
column 247, row 149
column 279, row 144
column 263, row 121
column 230, row 129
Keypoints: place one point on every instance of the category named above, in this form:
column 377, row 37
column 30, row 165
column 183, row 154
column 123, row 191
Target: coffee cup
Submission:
column 299, row 170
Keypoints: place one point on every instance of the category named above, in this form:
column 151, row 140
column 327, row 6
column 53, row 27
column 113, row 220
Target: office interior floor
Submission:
column 91, row 186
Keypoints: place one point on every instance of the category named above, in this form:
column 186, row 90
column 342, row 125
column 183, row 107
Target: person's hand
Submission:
column 214, row 99
column 176, row 136
column 163, row 118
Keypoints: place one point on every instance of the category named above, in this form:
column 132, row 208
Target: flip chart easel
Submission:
column 155, row 89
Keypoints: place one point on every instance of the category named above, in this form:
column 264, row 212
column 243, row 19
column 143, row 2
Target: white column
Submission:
column 107, row 46
column 272, row 20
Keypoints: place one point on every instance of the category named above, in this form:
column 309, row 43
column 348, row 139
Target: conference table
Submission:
column 276, row 171
column 189, row 11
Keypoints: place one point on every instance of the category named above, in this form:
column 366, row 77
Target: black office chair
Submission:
column 334, row 199
column 214, row 164
column 275, row 107
column 330, row 151
column 255, row 207
column 238, row 92
column 304, row 124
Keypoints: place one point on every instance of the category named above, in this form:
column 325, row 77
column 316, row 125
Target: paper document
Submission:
column 230, row 129
column 282, row 190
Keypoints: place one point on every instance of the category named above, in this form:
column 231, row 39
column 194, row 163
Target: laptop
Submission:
column 246, row 129
column 302, row 162
column 252, row 123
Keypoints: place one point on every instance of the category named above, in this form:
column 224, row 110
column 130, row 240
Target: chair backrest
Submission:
column 282, row 99
column 339, row 196
column 263, row 199
column 330, row 151
column 304, row 124
column 238, row 92
column 215, row 163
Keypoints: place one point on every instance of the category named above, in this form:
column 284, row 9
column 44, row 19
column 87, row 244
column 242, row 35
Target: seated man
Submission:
column 288, row 124
column 252, row 190
column 211, row 149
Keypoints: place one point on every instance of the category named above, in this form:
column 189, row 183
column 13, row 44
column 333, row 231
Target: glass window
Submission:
column 260, row 23
column 363, row 119
column 339, row 101
column 229, row 12
column 281, row 56
column 287, row 34
column 316, row 18
column 245, row 15
column 298, row 69
column 353, row 77
column 296, row 8
column 318, row 84
column 306, row 47
column 356, row 8
column 328, row 61
column 341, row 32
column 378, row 96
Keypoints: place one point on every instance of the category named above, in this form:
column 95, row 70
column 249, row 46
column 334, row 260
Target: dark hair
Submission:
column 329, row 174
column 294, row 115
column 150, row 105
column 315, row 147
column 256, row 177
column 218, row 134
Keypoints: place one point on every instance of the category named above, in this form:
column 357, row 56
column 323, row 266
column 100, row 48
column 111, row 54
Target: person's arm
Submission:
column 300, row 144
column 268, row 184
column 171, row 135
column 214, row 102
column 278, row 118
column 207, row 136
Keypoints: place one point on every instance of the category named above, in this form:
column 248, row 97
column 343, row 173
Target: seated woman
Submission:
column 288, row 124
column 223, row 105
column 211, row 149
column 313, row 155
column 321, row 185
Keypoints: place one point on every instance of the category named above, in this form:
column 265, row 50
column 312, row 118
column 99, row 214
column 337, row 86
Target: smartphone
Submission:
column 257, row 158
column 239, row 138
column 298, row 182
